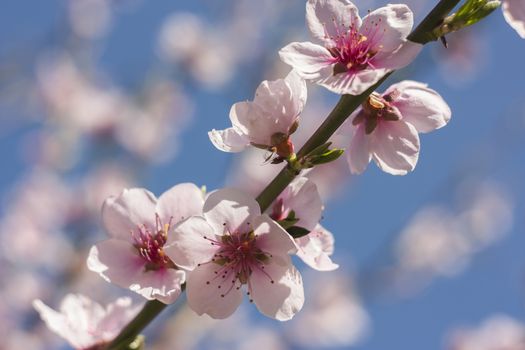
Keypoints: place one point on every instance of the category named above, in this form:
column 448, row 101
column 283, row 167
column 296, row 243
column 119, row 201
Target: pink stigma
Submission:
column 354, row 51
column 238, row 255
column 150, row 244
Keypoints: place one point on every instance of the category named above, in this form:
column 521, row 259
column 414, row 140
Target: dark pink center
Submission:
column 376, row 109
column 150, row 243
column 354, row 51
column 238, row 255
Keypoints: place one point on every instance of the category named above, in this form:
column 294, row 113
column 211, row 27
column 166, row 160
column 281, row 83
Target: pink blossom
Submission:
column 268, row 121
column 140, row 226
column 301, row 201
column 233, row 245
column 84, row 323
column 315, row 249
column 498, row 332
column 386, row 127
column 514, row 13
column 355, row 53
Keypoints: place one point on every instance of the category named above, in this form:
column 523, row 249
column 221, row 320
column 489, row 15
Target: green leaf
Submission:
column 297, row 232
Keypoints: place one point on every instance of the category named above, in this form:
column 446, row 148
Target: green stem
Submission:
column 275, row 187
column 346, row 105
column 424, row 32
column 148, row 313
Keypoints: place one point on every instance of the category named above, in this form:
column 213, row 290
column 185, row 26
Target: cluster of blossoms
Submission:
column 222, row 244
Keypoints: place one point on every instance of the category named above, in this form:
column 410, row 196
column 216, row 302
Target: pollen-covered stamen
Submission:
column 353, row 50
column 150, row 244
column 375, row 109
column 236, row 259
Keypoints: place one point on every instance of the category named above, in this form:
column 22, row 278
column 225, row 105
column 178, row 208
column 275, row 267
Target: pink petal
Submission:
column 395, row 147
column 420, row 106
column 359, row 154
column 230, row 209
column 514, row 13
column 388, row 26
column 252, row 122
column 398, row 58
column 281, row 299
column 272, row 238
column 189, row 244
column 206, row 298
column 298, row 90
column 315, row 249
column 279, row 104
column 309, row 60
column 328, row 19
column 163, row 285
column 238, row 112
column 304, row 199
column 352, row 83
column 118, row 262
column 122, row 214
column 228, row 140
column 180, row 202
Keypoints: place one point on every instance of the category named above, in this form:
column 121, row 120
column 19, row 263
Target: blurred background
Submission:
column 99, row 95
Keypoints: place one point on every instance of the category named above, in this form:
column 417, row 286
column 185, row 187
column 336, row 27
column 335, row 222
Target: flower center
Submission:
column 238, row 255
column 150, row 244
column 354, row 51
column 375, row 109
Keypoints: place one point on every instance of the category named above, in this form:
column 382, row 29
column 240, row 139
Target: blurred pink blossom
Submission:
column 498, row 332
column 84, row 323
column 333, row 317
column 439, row 242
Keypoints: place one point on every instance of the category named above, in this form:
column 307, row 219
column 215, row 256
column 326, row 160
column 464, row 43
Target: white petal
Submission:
column 230, row 209
column 327, row 19
column 315, row 249
column 514, row 13
column 190, row 244
column 228, row 140
column 302, row 197
column 352, row 83
column 272, row 238
column 281, row 299
column 122, row 215
column 395, row 147
column 359, row 155
column 309, row 60
column 163, row 285
column 205, row 296
column 179, row 203
column 420, row 106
